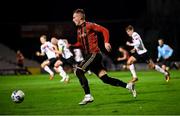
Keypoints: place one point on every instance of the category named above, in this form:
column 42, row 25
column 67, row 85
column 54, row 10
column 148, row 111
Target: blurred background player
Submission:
column 141, row 52
column 48, row 49
column 165, row 54
column 65, row 54
column 123, row 59
column 20, row 63
column 20, row 59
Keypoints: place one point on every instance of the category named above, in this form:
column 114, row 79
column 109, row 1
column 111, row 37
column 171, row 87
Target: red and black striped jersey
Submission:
column 87, row 37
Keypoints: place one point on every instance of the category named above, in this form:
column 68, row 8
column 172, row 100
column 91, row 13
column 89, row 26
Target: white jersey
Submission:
column 47, row 48
column 138, row 43
column 62, row 45
column 78, row 55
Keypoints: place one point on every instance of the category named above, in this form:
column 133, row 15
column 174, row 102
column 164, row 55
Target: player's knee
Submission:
column 129, row 62
column 42, row 65
column 102, row 73
column 58, row 63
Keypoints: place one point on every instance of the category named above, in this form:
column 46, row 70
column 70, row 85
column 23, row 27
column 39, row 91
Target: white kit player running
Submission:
column 141, row 53
column 48, row 50
column 64, row 51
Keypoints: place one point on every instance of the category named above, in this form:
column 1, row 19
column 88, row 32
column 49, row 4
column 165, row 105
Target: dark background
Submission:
column 152, row 19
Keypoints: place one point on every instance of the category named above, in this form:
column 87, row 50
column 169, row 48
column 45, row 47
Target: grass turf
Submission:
column 45, row 97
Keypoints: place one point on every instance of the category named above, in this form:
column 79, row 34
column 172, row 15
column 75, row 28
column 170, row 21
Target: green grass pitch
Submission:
column 50, row 97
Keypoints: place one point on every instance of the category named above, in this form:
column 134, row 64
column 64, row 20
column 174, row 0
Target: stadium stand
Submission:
column 8, row 63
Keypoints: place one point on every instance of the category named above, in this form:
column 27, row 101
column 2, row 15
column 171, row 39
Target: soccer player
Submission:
column 124, row 59
column 88, row 41
column 48, row 49
column 165, row 53
column 64, row 51
column 20, row 59
column 141, row 52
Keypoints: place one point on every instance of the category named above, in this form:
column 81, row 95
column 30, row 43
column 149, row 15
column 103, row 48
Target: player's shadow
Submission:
column 121, row 102
column 162, row 91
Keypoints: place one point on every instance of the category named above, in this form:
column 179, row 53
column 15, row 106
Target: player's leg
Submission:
column 45, row 66
column 59, row 69
column 130, row 64
column 116, row 82
column 80, row 73
column 100, row 71
column 84, row 84
column 159, row 69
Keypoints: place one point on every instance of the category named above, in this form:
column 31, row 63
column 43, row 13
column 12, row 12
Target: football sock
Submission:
column 159, row 69
column 62, row 73
column 132, row 69
column 83, row 81
column 47, row 69
column 112, row 81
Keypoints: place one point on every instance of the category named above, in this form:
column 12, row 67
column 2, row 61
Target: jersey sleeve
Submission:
column 42, row 49
column 168, row 51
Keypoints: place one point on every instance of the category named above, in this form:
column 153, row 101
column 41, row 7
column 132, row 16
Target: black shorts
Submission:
column 52, row 62
column 166, row 62
column 142, row 57
column 92, row 62
column 70, row 61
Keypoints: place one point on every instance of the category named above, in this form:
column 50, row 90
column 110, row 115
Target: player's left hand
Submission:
column 108, row 46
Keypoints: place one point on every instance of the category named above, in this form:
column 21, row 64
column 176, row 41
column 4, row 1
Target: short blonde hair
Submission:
column 129, row 27
column 80, row 11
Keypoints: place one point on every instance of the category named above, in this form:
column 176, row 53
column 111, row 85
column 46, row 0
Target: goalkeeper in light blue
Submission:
column 165, row 53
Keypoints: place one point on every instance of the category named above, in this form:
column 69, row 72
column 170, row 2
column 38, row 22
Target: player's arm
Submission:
column 159, row 54
column 136, row 42
column 105, row 33
column 40, row 53
column 169, row 54
column 122, row 58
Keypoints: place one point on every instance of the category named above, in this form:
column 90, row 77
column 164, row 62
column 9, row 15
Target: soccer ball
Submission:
column 17, row 96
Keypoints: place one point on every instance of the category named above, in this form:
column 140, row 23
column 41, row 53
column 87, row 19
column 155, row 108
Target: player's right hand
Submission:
column 108, row 47
column 38, row 53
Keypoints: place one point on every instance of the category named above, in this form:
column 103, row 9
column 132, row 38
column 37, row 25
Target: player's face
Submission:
column 160, row 42
column 42, row 40
column 129, row 32
column 77, row 19
column 54, row 41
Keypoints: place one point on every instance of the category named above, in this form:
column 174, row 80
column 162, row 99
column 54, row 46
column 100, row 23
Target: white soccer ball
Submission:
column 17, row 96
